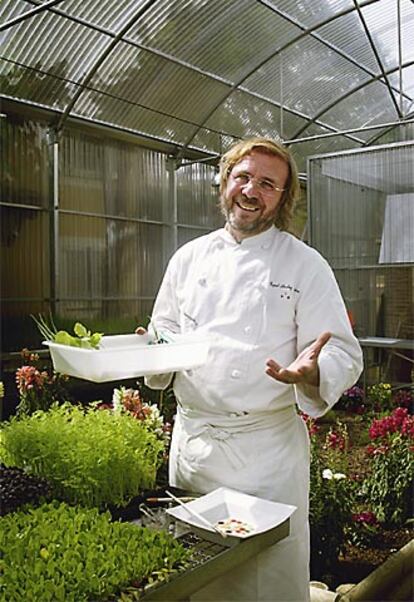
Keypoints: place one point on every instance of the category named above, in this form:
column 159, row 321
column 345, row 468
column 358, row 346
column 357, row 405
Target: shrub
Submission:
column 59, row 553
column 90, row 457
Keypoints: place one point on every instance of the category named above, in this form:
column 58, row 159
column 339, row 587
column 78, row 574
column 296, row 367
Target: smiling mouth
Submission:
column 251, row 208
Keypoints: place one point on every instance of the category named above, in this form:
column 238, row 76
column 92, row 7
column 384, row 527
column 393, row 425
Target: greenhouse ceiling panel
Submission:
column 196, row 74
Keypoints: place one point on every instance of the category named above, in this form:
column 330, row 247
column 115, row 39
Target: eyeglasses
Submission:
column 265, row 186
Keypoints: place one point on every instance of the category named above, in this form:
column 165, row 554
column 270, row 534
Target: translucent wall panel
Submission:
column 101, row 257
column 24, row 169
column 112, row 178
column 197, row 197
column 361, row 212
column 187, row 234
column 25, row 286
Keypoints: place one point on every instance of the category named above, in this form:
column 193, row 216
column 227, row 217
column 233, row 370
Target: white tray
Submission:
column 222, row 503
column 128, row 356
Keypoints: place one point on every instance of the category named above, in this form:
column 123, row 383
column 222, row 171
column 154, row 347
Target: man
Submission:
column 279, row 336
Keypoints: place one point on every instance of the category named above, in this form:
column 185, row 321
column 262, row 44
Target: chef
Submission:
column 279, row 338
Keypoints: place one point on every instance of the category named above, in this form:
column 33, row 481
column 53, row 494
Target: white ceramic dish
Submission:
column 223, row 503
column 128, row 356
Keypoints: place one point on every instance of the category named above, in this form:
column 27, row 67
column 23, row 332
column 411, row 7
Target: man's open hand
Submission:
column 304, row 369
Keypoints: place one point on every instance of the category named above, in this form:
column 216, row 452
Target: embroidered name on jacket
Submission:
column 286, row 290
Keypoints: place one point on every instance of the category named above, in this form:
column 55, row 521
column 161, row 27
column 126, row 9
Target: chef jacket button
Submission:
column 236, row 374
column 247, row 329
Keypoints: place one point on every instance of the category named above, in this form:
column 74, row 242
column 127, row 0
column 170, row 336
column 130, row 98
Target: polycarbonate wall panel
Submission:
column 383, row 25
column 198, row 199
column 361, row 215
column 203, row 34
column 115, row 229
column 24, row 253
column 313, row 75
column 364, row 107
column 187, row 234
column 310, row 14
column 112, row 178
column 24, row 170
column 101, row 257
column 243, row 116
column 156, row 83
column 54, row 44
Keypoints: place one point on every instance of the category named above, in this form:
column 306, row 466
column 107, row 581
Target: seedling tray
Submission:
column 211, row 559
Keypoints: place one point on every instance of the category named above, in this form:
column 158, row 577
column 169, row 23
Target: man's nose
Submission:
column 250, row 189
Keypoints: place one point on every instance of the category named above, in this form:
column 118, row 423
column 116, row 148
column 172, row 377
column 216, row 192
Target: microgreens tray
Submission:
column 128, row 356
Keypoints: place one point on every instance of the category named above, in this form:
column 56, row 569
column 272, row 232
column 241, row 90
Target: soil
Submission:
column 356, row 563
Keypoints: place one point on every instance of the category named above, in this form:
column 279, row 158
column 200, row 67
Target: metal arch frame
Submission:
column 234, row 86
column 231, row 85
column 328, row 107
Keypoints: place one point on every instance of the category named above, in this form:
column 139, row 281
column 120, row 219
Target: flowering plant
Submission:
column 388, row 487
column 130, row 401
column 405, row 399
column 363, row 529
column 352, row 400
column 38, row 389
column 380, row 397
column 330, row 498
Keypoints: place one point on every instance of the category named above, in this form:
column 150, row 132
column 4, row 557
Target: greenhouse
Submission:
column 234, row 179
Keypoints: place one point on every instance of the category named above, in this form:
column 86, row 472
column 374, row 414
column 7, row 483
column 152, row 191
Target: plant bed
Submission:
column 361, row 485
column 62, row 553
column 90, row 457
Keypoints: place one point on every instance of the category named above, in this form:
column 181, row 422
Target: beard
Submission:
column 245, row 222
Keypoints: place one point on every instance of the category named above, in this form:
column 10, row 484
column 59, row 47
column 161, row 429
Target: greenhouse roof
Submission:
column 190, row 76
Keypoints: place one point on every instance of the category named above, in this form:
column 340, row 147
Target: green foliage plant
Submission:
column 62, row 553
column 89, row 456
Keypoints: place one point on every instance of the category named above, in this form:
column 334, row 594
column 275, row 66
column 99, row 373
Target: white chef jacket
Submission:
column 268, row 296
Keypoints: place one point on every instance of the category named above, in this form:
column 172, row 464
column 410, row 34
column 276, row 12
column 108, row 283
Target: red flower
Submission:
column 366, row 517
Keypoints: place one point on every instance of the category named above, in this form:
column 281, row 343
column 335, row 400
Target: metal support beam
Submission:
column 172, row 166
column 53, row 148
column 365, row 128
column 28, row 14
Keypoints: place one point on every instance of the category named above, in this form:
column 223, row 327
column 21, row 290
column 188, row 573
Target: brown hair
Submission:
column 270, row 147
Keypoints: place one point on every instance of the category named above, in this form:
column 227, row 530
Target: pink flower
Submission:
column 28, row 377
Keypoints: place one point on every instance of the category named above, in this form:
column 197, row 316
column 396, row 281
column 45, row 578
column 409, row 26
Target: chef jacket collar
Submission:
column 264, row 239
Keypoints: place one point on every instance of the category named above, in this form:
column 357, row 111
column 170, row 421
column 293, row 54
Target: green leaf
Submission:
column 64, row 338
column 80, row 330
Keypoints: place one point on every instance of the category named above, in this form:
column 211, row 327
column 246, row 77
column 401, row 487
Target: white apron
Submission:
column 264, row 454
